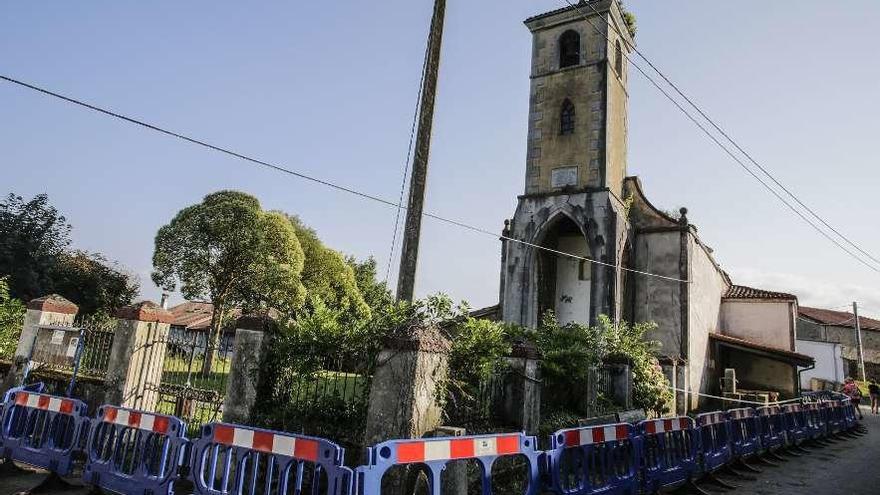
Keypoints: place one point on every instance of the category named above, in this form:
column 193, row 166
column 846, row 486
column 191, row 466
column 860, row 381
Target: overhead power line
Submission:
column 322, row 182
column 727, row 150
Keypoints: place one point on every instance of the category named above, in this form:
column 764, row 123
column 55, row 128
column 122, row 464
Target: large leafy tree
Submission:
column 228, row 250
column 330, row 281
column 11, row 314
column 32, row 236
column 34, row 256
column 94, row 283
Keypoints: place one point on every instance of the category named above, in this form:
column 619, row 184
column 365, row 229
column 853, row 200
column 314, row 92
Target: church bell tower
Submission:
column 575, row 167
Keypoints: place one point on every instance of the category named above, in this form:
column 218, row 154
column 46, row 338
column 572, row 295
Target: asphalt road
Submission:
column 846, row 468
column 850, row 467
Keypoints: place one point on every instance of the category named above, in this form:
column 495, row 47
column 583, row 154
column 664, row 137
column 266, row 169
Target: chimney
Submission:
column 164, row 302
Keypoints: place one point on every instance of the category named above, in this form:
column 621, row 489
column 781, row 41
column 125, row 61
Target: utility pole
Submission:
column 859, row 342
column 409, row 255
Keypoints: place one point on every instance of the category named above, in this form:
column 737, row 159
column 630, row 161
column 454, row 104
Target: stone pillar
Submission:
column 137, row 356
column 683, row 399
column 253, row 335
column 404, row 392
column 522, row 394
column 621, row 383
column 48, row 310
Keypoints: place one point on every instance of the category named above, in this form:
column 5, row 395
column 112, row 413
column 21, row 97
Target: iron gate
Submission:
column 187, row 386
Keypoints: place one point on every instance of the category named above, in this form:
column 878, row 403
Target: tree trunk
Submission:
column 212, row 340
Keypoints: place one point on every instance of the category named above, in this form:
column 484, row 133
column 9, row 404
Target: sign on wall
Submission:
column 564, row 176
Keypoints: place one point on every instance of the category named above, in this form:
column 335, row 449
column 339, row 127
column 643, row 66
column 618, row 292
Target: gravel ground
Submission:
column 850, row 467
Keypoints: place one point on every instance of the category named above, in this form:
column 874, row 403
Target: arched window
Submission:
column 569, row 49
column 566, row 118
column 618, row 58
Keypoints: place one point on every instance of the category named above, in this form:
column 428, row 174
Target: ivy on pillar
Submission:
column 47, row 310
column 253, row 335
column 137, row 356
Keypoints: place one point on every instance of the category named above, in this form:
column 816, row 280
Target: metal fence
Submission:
column 81, row 347
column 320, row 392
column 195, row 371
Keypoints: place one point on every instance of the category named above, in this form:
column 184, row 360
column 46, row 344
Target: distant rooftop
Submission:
column 837, row 318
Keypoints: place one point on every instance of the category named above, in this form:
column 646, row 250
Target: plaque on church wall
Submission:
column 565, row 176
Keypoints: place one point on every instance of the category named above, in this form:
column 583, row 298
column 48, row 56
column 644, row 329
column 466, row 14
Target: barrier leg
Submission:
column 771, row 455
column 692, row 487
column 765, row 461
column 733, row 472
column 715, row 480
column 748, row 467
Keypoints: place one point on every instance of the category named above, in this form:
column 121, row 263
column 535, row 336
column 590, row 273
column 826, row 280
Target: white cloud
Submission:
column 813, row 292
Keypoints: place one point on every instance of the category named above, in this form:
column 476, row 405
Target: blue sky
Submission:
column 329, row 88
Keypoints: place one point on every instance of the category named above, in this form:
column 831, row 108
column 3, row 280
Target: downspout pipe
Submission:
column 808, row 368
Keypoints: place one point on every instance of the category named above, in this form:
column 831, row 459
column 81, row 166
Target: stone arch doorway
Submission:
column 565, row 284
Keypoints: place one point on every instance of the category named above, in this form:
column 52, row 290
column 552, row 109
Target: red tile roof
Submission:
column 837, row 318
column 743, row 292
column 194, row 315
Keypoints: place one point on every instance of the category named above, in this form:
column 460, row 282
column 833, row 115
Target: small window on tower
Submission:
column 569, row 49
column 566, row 118
column 618, row 58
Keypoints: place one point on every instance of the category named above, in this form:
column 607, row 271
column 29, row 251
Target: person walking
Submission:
column 851, row 390
column 874, row 393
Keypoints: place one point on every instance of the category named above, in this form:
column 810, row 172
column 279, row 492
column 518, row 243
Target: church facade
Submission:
column 598, row 227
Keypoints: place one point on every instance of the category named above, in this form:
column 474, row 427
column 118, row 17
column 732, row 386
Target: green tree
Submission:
column 34, row 255
column 95, row 284
column 32, row 236
column 228, row 250
column 375, row 293
column 328, row 278
column 11, row 315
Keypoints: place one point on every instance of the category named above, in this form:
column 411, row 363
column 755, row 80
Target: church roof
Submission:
column 743, row 292
column 567, row 8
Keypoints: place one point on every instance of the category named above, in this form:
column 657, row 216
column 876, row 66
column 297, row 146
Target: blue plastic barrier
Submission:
column 849, row 414
column 42, row 430
column 595, row 460
column 133, row 452
column 771, row 420
column 715, row 444
column 835, row 414
column 237, row 460
column 815, row 421
column 434, row 454
column 796, row 429
column 670, row 453
column 744, row 429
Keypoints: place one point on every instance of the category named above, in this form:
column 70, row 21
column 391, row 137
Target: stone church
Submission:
column 579, row 200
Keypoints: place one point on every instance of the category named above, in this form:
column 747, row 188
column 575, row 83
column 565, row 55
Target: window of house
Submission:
column 618, row 58
column 569, row 49
column 566, row 118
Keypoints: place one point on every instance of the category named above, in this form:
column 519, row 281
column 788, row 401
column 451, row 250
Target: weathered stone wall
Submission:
column 707, row 286
column 655, row 299
column 599, row 97
column 597, row 214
